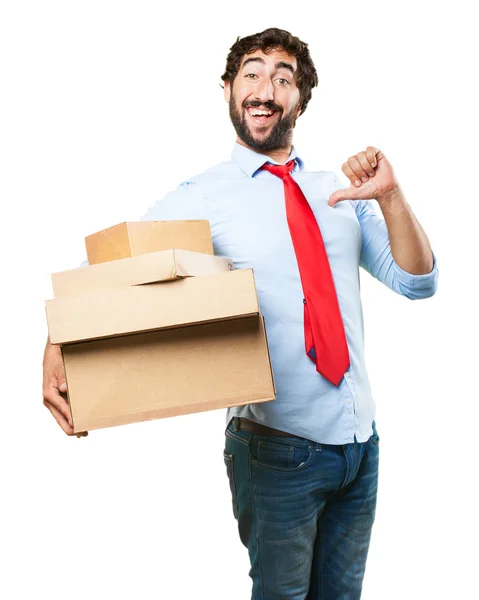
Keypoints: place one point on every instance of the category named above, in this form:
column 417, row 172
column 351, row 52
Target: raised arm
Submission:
column 396, row 251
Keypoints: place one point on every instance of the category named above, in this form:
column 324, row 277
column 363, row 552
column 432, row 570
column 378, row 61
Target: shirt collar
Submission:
column 249, row 161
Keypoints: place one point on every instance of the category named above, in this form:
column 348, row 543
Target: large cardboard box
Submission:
column 142, row 237
column 168, row 372
column 159, row 335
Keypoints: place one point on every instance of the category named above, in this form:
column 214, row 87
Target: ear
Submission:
column 227, row 91
column 298, row 112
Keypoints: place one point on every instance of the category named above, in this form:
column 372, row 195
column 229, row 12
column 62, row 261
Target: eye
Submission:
column 252, row 75
column 283, row 81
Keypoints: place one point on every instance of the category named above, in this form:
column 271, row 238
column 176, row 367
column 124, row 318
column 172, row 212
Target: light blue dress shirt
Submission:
column 246, row 211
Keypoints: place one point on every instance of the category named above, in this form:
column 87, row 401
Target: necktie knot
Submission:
column 279, row 170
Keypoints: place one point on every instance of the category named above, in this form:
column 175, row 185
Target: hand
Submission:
column 378, row 175
column 55, row 388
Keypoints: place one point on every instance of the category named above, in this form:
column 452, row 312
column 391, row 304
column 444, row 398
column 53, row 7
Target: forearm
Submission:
column 49, row 348
column 410, row 246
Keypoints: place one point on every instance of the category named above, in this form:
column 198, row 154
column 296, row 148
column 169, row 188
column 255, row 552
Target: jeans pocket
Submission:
column 230, row 471
column 278, row 455
column 374, row 439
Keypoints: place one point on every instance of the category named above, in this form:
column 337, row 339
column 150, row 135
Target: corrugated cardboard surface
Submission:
column 170, row 372
column 134, row 309
column 136, row 270
column 109, row 244
column 143, row 237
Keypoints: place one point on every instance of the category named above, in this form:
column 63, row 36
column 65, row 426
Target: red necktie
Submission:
column 325, row 338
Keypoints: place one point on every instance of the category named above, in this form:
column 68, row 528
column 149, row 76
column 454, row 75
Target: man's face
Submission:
column 265, row 83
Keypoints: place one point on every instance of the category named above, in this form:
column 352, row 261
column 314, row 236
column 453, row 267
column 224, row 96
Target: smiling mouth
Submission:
column 260, row 115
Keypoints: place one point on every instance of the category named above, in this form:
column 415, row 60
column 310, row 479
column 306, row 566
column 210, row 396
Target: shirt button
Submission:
column 348, row 402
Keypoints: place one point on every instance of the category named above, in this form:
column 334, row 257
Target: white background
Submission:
column 106, row 106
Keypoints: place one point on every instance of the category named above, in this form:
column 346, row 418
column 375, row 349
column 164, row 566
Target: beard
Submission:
column 279, row 137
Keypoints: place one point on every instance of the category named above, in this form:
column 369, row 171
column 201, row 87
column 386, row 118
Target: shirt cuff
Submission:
column 418, row 281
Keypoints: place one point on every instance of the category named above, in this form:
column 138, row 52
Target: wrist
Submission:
column 391, row 198
column 52, row 349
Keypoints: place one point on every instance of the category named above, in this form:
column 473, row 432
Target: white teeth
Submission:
column 262, row 112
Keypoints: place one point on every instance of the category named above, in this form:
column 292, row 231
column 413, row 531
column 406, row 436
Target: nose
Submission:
column 265, row 90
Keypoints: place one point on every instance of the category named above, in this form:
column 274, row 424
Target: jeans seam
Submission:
column 237, row 438
column 230, row 457
column 348, row 468
column 255, row 521
column 320, row 565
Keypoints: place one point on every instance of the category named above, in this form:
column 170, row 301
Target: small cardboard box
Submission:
column 143, row 237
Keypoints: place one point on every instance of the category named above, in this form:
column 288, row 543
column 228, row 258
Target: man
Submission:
column 303, row 469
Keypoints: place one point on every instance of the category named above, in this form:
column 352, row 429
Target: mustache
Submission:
column 266, row 105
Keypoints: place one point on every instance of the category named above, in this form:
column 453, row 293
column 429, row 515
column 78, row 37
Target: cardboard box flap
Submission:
column 177, row 303
column 137, row 270
column 195, row 263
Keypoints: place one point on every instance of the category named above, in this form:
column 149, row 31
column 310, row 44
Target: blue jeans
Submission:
column 305, row 512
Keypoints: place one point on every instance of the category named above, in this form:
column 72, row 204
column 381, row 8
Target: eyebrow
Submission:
column 278, row 65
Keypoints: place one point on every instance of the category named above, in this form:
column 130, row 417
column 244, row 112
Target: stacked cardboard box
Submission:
column 151, row 330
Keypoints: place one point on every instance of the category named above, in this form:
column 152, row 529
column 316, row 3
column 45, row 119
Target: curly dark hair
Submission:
column 270, row 39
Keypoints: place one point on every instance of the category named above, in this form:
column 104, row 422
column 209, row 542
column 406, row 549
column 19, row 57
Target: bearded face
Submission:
column 264, row 101
column 263, row 126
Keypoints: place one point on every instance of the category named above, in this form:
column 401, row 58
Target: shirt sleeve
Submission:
column 185, row 203
column 376, row 257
